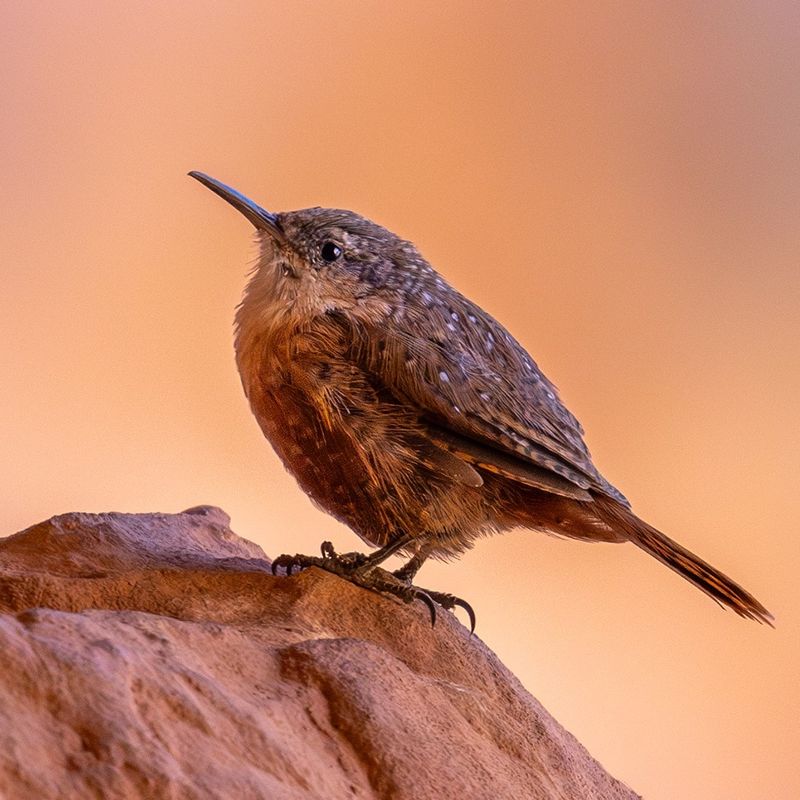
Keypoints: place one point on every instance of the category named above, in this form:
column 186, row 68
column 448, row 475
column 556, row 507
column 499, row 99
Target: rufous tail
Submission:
column 694, row 569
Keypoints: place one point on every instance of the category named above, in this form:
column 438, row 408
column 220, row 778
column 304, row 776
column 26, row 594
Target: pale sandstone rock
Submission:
column 155, row 656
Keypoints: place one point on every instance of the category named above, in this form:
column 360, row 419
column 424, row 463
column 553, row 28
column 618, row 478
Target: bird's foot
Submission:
column 449, row 603
column 340, row 564
column 359, row 570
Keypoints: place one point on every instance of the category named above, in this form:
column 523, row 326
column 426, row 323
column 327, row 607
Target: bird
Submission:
column 410, row 414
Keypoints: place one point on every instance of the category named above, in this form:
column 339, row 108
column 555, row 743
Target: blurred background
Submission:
column 619, row 183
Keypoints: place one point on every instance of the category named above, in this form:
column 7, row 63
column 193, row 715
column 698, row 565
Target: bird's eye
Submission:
column 287, row 271
column 330, row 251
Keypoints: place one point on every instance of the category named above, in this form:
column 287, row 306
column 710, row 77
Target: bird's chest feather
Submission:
column 323, row 421
column 358, row 451
column 287, row 398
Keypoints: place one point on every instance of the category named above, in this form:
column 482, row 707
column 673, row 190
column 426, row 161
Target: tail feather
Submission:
column 705, row 577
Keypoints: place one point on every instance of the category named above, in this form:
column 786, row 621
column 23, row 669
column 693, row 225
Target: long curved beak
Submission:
column 262, row 219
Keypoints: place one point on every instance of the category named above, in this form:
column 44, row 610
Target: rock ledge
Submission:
column 155, row 656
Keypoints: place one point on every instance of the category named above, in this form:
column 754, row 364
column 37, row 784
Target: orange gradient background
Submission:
column 619, row 183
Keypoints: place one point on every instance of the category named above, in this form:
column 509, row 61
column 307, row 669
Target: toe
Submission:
column 426, row 598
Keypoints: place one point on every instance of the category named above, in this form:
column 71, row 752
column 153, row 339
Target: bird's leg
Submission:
column 407, row 572
column 384, row 552
column 364, row 571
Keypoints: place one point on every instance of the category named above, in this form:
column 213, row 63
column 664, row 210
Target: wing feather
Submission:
column 470, row 379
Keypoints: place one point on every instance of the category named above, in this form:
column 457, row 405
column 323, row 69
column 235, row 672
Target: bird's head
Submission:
column 318, row 260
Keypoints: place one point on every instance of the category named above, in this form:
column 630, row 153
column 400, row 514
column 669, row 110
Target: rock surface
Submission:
column 155, row 656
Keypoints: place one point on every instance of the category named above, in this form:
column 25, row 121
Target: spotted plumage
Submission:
column 409, row 413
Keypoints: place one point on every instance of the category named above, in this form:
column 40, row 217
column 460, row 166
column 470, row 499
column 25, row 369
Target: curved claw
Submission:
column 277, row 563
column 287, row 562
column 457, row 601
column 426, row 598
column 326, row 548
column 290, row 563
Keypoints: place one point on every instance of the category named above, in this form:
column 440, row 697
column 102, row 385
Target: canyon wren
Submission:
column 410, row 414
